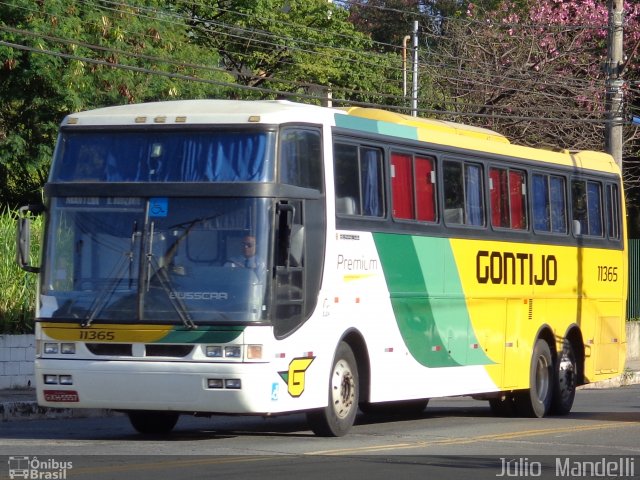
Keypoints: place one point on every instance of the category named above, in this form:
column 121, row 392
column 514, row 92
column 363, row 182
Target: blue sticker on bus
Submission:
column 158, row 207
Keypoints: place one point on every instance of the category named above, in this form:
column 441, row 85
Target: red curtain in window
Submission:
column 496, row 193
column 516, row 179
column 425, row 203
column 402, row 186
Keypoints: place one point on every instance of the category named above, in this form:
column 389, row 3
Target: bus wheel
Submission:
column 565, row 380
column 338, row 416
column 536, row 401
column 155, row 423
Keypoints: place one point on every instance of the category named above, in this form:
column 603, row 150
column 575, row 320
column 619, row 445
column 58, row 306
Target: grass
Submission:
column 17, row 295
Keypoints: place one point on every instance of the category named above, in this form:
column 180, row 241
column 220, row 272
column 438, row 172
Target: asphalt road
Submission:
column 453, row 438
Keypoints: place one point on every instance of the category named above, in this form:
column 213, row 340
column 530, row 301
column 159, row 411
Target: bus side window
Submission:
column 301, row 158
column 425, row 184
column 549, row 203
column 613, row 212
column 358, row 176
column 463, row 193
column 413, row 187
column 558, row 204
column 345, row 158
column 587, row 207
column 402, row 185
column 541, row 207
column 508, row 198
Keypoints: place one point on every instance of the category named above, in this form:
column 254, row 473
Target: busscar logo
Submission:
column 199, row 295
column 38, row 469
column 295, row 376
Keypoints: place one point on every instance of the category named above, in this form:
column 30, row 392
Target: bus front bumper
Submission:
column 245, row 388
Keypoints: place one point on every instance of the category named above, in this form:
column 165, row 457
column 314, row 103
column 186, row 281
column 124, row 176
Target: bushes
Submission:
column 17, row 297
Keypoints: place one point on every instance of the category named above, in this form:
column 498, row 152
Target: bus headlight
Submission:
column 232, row 351
column 51, row 348
column 214, row 351
column 68, row 348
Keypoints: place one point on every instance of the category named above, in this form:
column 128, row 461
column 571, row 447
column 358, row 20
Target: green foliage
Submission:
column 291, row 46
column 17, row 297
column 67, row 62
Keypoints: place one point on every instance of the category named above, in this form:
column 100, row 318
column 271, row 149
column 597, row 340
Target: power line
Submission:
column 298, row 95
column 157, row 59
column 287, row 94
column 245, row 31
column 292, row 48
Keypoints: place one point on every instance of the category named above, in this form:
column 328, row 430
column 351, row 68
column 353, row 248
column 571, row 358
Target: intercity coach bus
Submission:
column 268, row 257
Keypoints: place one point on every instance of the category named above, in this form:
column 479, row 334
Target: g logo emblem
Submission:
column 295, row 376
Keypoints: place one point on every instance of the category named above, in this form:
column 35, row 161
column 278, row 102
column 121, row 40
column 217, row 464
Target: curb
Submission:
column 627, row 378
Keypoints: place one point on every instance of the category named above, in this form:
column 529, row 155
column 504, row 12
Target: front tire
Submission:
column 153, row 423
column 337, row 418
column 536, row 401
column 565, row 380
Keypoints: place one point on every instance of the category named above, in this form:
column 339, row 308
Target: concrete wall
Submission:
column 17, row 353
column 633, row 340
column 16, row 360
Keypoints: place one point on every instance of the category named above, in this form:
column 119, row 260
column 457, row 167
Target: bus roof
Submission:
column 200, row 112
column 428, row 123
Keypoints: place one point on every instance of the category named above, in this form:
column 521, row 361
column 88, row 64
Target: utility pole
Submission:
column 405, row 40
column 414, row 92
column 614, row 101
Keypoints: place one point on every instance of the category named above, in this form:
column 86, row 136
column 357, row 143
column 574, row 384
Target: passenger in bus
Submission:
column 580, row 214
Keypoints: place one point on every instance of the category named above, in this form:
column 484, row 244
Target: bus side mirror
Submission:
column 23, row 240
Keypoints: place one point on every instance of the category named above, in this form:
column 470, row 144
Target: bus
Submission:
column 270, row 257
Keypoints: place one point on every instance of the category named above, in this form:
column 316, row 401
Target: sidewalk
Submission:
column 21, row 404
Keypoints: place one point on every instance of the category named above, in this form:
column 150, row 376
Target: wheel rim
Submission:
column 343, row 389
column 566, row 376
column 542, row 378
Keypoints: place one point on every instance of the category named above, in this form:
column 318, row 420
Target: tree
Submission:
column 58, row 57
column 532, row 70
column 386, row 21
column 294, row 48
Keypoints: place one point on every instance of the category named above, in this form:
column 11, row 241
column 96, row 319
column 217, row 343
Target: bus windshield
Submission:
column 161, row 259
column 164, row 156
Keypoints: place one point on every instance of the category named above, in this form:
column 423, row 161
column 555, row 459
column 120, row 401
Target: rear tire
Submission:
column 338, row 416
column 565, row 380
column 536, row 401
column 152, row 422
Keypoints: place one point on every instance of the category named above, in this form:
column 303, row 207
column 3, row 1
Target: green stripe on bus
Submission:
column 435, row 326
column 374, row 126
column 203, row 335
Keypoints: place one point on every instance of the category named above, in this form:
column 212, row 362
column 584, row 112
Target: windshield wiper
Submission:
column 119, row 272
column 160, row 273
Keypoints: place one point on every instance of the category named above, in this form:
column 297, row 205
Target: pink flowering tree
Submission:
column 534, row 70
